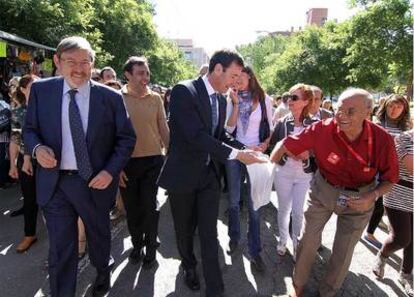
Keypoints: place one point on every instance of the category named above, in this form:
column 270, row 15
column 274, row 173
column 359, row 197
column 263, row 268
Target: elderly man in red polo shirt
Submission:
column 350, row 151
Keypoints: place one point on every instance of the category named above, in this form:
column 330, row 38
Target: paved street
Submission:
column 26, row 275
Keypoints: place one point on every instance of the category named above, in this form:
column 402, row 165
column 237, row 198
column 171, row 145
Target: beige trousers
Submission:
column 321, row 204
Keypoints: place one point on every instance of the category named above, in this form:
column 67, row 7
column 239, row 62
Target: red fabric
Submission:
column 337, row 164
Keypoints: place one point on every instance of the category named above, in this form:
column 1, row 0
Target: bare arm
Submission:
column 232, row 120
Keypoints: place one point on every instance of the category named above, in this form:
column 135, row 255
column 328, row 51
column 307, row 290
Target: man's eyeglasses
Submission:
column 72, row 64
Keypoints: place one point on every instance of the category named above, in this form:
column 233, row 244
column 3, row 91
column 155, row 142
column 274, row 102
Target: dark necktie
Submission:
column 78, row 138
column 214, row 115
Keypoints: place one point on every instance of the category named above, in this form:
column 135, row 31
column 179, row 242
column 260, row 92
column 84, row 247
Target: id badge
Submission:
column 342, row 200
column 345, row 196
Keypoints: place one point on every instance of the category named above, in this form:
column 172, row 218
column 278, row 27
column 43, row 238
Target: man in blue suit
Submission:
column 81, row 136
column 199, row 145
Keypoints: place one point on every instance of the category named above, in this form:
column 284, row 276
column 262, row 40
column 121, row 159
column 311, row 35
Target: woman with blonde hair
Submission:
column 293, row 174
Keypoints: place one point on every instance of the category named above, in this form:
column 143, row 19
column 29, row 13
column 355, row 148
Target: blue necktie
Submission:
column 78, row 138
column 214, row 115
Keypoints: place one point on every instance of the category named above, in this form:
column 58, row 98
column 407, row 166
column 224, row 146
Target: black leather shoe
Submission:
column 191, row 279
column 232, row 247
column 258, row 263
column 17, row 212
column 101, row 285
column 135, row 256
column 149, row 262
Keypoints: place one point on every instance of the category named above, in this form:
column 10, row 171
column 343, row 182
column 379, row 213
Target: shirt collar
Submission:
column 83, row 90
column 125, row 91
column 209, row 88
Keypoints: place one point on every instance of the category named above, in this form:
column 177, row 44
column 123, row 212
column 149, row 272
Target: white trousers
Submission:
column 292, row 185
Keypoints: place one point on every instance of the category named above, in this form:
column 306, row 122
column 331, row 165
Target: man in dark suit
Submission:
column 81, row 136
column 316, row 110
column 191, row 172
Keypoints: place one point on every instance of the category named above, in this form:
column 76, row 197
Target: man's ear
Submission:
column 127, row 75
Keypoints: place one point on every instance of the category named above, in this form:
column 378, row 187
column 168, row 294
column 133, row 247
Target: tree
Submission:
column 380, row 49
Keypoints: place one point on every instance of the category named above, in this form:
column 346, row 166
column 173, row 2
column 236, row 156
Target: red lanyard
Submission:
column 361, row 160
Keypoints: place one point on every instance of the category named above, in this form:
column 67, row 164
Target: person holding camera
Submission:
column 293, row 174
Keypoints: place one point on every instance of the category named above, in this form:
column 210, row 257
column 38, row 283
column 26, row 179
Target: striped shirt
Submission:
column 401, row 195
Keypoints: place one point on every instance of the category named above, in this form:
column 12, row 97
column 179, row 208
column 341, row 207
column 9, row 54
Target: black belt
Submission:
column 68, row 172
column 341, row 187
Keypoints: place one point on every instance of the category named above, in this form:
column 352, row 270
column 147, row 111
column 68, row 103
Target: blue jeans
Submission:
column 236, row 173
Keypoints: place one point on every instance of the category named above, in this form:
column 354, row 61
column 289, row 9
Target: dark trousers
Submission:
column 140, row 200
column 71, row 199
column 4, row 164
column 28, row 187
column 401, row 237
column 376, row 216
column 199, row 209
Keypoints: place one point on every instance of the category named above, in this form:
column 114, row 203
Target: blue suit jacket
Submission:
column 191, row 141
column 110, row 137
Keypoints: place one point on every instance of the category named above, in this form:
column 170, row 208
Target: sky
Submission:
column 216, row 24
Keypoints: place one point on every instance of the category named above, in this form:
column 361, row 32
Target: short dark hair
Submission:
column 106, row 68
column 225, row 58
column 132, row 61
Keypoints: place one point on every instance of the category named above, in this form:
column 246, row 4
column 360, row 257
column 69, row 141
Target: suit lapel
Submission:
column 204, row 100
column 96, row 112
column 55, row 107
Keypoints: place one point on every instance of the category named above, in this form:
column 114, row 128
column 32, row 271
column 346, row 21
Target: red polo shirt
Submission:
column 337, row 163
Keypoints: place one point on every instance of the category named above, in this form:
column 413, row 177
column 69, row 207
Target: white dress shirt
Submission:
column 82, row 97
column 211, row 91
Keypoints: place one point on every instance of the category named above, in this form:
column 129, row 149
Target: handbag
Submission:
column 264, row 128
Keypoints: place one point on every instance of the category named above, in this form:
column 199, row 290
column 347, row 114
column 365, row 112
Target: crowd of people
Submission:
column 86, row 148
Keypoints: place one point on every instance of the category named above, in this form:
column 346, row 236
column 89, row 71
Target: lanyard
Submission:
column 366, row 164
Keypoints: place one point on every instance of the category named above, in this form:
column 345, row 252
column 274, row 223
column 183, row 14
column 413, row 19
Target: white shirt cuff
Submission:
column 233, row 154
column 34, row 150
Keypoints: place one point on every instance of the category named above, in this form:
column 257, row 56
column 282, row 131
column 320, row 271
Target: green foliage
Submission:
column 372, row 50
column 116, row 29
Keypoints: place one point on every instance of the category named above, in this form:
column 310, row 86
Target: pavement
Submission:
column 26, row 274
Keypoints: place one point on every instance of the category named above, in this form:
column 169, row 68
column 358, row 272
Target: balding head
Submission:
column 359, row 93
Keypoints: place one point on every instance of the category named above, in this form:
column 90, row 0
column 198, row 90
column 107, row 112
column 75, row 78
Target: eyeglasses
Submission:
column 293, row 97
column 72, row 64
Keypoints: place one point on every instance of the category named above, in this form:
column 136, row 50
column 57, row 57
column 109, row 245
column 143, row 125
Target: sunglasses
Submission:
column 293, row 97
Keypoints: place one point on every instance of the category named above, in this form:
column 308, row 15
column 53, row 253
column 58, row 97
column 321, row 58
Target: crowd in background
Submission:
column 247, row 105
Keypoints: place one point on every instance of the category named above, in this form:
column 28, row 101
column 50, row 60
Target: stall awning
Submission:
column 15, row 38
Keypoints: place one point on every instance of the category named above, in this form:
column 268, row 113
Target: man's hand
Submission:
column 363, row 203
column 45, row 157
column 249, row 157
column 122, row 179
column 27, row 166
column 13, row 172
column 101, row 181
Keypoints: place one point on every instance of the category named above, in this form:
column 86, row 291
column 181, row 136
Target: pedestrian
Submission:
column 249, row 113
column 293, row 175
column 349, row 151
column 282, row 109
column 138, row 181
column 393, row 116
column 107, row 73
column 398, row 205
column 22, row 166
column 191, row 173
column 317, row 109
column 81, row 136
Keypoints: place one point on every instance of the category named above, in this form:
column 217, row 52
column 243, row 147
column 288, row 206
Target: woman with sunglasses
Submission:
column 249, row 113
column 293, row 174
column 394, row 116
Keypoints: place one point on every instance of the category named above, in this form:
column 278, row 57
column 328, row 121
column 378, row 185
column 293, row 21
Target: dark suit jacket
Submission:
column 191, row 141
column 110, row 137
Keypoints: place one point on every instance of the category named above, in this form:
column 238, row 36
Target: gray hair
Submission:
column 358, row 92
column 73, row 43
